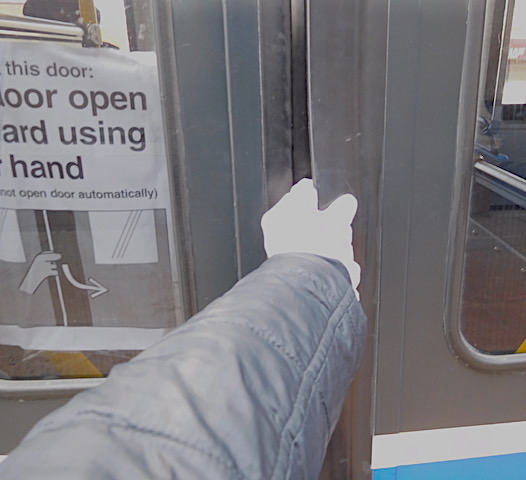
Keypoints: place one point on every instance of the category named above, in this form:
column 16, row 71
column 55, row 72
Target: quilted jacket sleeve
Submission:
column 250, row 388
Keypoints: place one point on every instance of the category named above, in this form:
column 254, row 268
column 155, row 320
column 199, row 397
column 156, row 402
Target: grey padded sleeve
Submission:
column 250, row 388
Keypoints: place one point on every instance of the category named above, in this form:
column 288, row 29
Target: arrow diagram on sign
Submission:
column 97, row 288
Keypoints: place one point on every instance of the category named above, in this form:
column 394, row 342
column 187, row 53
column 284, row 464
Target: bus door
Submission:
column 450, row 361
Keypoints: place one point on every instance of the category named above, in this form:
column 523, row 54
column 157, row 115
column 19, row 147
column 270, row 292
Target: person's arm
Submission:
column 250, row 388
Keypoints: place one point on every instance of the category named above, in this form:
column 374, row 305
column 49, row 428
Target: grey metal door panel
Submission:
column 275, row 24
column 421, row 384
column 200, row 57
column 259, row 78
column 333, row 71
column 233, row 67
column 346, row 74
column 416, row 144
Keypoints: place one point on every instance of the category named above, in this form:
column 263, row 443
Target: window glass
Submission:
column 494, row 294
column 86, row 238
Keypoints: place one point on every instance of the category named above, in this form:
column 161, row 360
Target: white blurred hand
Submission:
column 295, row 224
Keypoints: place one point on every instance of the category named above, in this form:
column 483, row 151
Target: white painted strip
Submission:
column 2, row 458
column 410, row 448
column 80, row 338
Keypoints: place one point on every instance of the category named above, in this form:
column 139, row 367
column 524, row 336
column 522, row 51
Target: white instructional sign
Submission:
column 81, row 129
column 85, row 232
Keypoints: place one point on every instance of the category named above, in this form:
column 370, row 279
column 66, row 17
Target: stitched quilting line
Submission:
column 319, row 284
column 335, row 318
column 115, row 421
column 259, row 332
column 325, row 411
column 296, row 435
column 319, row 280
column 265, row 334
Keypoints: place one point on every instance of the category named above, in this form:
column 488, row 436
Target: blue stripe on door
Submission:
column 501, row 467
